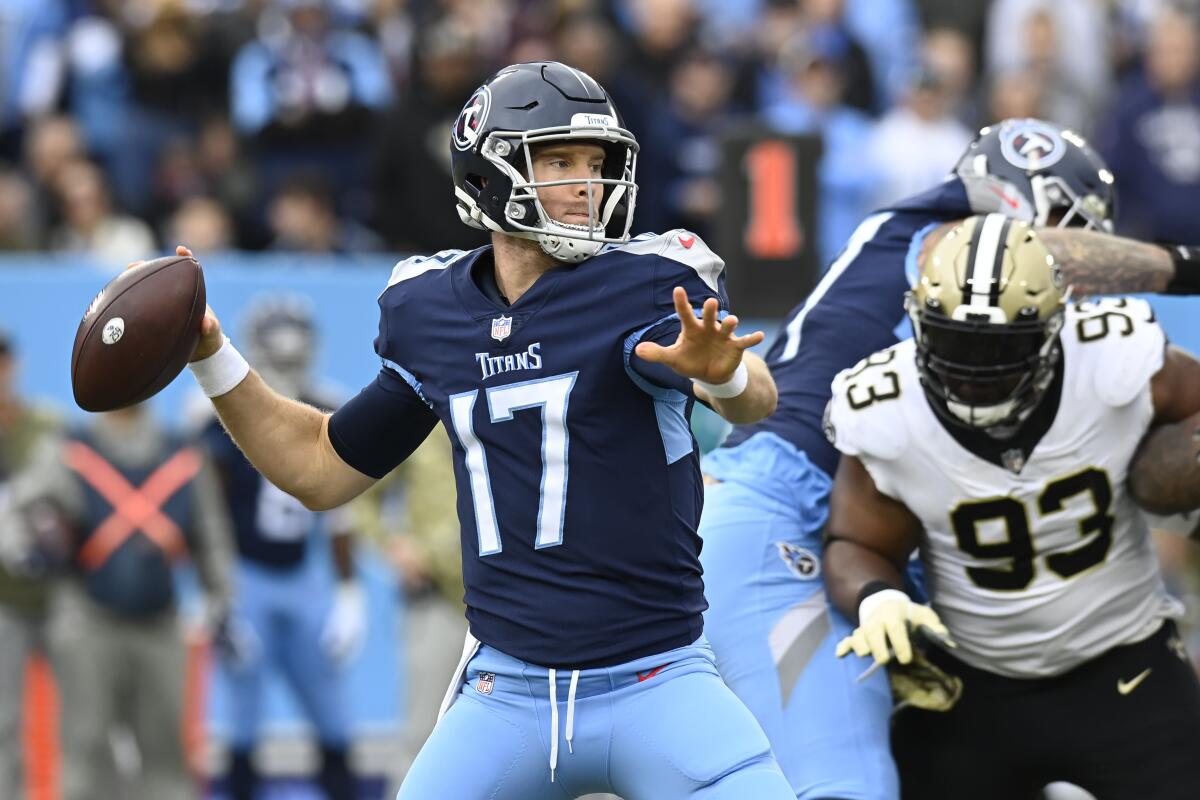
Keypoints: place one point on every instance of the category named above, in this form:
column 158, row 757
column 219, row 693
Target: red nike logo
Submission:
column 688, row 240
column 1003, row 196
column 645, row 676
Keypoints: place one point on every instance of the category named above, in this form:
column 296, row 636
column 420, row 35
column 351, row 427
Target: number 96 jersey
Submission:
column 1037, row 559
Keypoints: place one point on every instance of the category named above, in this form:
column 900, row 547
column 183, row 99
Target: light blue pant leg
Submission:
column 774, row 637
column 489, row 745
column 678, row 735
column 252, row 609
column 302, row 603
column 683, row 735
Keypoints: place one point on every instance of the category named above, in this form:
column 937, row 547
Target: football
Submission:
column 138, row 333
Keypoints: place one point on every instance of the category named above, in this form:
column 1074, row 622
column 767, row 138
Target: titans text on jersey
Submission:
column 491, row 365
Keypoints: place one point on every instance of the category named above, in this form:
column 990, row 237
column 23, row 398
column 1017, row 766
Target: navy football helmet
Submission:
column 523, row 106
column 282, row 337
column 1056, row 170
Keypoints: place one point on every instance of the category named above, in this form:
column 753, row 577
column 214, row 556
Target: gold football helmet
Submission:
column 986, row 311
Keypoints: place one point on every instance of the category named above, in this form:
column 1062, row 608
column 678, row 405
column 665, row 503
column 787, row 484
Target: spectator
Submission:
column 303, row 219
column 1065, row 99
column 814, row 106
column 24, row 429
column 132, row 500
column 663, row 31
column 202, row 223
column 31, row 64
column 51, row 143
column 590, row 43
column 1014, row 95
column 1048, row 37
column 20, row 222
column 305, row 91
column 681, row 151
column 826, row 19
column 409, row 149
column 915, row 144
column 950, row 54
column 1152, row 137
column 90, row 226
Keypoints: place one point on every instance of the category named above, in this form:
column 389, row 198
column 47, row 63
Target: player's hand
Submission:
column 235, row 640
column 887, row 620
column 346, row 626
column 211, row 337
column 707, row 348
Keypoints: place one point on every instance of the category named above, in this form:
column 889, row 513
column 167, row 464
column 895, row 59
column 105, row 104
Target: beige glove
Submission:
column 886, row 621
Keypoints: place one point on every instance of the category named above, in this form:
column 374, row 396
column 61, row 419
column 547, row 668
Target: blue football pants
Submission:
column 658, row 728
column 774, row 636
column 286, row 609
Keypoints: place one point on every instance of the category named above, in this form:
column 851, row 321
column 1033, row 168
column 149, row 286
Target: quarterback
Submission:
column 997, row 442
column 563, row 359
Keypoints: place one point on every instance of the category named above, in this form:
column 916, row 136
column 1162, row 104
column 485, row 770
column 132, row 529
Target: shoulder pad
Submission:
column 680, row 246
column 1119, row 344
column 413, row 266
column 864, row 416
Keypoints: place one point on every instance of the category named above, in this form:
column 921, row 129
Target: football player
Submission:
column 563, row 359
column 768, row 486
column 286, row 616
column 997, row 441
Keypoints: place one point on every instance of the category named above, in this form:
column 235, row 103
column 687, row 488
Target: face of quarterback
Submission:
column 565, row 161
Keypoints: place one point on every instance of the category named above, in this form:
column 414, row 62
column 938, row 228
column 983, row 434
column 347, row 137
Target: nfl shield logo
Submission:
column 501, row 328
column 486, row 681
column 1014, row 460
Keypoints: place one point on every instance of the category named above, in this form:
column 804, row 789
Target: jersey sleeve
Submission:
column 383, row 424
column 660, row 375
column 390, row 418
column 1124, row 344
column 864, row 418
column 685, row 260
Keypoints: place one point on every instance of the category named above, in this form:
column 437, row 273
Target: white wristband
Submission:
column 875, row 600
column 730, row 388
column 221, row 372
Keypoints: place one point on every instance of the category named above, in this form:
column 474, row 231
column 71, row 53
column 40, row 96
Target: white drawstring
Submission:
column 571, row 709
column 553, row 725
column 554, row 717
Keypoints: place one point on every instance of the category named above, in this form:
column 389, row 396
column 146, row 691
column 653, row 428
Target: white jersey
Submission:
column 1042, row 564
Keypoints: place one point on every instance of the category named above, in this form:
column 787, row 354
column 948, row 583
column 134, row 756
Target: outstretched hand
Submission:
column 707, row 348
column 211, row 337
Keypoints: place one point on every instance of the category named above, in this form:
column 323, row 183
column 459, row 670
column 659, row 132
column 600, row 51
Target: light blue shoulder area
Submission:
column 911, row 270
column 680, row 246
column 409, row 378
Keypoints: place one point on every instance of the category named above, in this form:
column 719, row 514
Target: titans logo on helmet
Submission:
column 471, row 119
column 1032, row 145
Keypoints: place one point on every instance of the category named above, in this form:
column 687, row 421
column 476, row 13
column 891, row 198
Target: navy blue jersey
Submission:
column 856, row 309
column 579, row 490
column 271, row 527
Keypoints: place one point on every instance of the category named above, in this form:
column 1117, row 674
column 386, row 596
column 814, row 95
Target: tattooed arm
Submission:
column 1096, row 263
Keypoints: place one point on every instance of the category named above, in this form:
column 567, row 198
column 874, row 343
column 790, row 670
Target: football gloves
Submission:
column 923, row 684
column 345, row 628
column 886, row 620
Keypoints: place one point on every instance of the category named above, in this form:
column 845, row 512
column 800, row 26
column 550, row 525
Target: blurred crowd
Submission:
column 319, row 125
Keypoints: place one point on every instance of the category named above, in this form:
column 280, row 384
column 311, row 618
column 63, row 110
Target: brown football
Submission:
column 138, row 333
